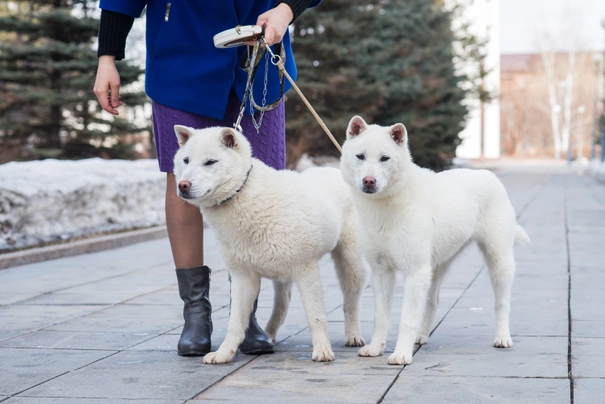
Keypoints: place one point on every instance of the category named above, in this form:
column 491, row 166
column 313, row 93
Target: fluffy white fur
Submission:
column 272, row 224
column 417, row 221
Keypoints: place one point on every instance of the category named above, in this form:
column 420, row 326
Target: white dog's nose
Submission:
column 369, row 182
column 369, row 185
column 184, row 186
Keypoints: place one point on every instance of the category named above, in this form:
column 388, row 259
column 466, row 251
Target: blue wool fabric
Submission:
column 184, row 69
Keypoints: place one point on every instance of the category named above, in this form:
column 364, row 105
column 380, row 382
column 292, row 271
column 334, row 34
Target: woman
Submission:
column 192, row 83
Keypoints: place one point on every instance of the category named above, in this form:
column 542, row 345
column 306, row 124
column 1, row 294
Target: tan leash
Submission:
column 276, row 60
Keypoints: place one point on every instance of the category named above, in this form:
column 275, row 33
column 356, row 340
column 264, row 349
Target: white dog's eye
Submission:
column 384, row 158
column 361, row 156
column 209, row 162
column 186, row 160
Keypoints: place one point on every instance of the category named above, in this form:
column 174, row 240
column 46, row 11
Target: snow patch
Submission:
column 47, row 200
column 306, row 161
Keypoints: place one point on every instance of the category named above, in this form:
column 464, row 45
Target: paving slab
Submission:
column 23, row 369
column 261, row 388
column 168, row 342
column 139, row 375
column 33, row 317
column 462, row 322
column 101, row 340
column 291, row 376
column 118, row 324
column 475, row 356
column 477, row 390
column 588, row 328
column 107, row 298
column 589, row 391
column 66, row 400
column 7, row 298
column 588, row 358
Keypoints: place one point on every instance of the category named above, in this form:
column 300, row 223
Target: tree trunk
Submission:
column 571, row 62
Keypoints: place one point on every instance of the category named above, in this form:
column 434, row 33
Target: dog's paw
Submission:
column 371, row 350
column 399, row 358
column 217, row 357
column 421, row 339
column 355, row 341
column 323, row 354
column 503, row 341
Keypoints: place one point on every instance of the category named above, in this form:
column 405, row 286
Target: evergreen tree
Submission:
column 388, row 61
column 47, row 72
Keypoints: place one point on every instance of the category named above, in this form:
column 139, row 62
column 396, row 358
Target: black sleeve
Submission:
column 297, row 6
column 113, row 30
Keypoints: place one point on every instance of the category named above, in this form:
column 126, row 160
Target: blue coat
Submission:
column 184, row 70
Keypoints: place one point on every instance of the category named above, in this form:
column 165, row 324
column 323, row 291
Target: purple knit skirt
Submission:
column 268, row 145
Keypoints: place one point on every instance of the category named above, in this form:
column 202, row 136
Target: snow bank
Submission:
column 322, row 161
column 42, row 201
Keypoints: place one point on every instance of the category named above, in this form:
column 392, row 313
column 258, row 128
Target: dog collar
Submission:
column 239, row 189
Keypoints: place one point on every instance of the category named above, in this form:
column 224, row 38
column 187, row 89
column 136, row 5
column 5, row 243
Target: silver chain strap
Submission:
column 251, row 58
column 249, row 93
column 258, row 124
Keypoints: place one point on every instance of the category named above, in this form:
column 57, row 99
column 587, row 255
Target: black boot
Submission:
column 194, row 285
column 256, row 341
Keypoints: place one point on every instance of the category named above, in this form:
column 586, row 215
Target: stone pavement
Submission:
column 103, row 327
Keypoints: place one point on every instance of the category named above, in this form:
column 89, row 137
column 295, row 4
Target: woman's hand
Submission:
column 276, row 23
column 107, row 84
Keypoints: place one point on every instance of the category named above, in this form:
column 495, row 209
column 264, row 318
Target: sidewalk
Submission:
column 103, row 327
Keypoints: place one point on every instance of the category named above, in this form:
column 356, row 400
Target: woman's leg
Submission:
column 185, row 228
column 186, row 235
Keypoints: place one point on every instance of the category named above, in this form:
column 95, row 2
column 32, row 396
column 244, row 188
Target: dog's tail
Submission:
column 521, row 236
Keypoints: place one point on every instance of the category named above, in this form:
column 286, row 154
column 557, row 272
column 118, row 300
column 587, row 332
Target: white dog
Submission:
column 417, row 221
column 272, row 224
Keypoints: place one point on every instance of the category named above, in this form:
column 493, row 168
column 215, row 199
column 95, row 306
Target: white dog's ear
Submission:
column 228, row 137
column 356, row 126
column 183, row 133
column 399, row 133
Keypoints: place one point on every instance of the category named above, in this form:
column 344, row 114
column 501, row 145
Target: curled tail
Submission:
column 521, row 236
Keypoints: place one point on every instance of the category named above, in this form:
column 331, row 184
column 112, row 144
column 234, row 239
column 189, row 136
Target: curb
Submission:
column 91, row 245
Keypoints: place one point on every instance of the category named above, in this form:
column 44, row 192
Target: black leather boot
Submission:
column 194, row 285
column 256, row 341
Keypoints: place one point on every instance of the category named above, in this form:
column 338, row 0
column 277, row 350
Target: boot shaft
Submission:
column 194, row 289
